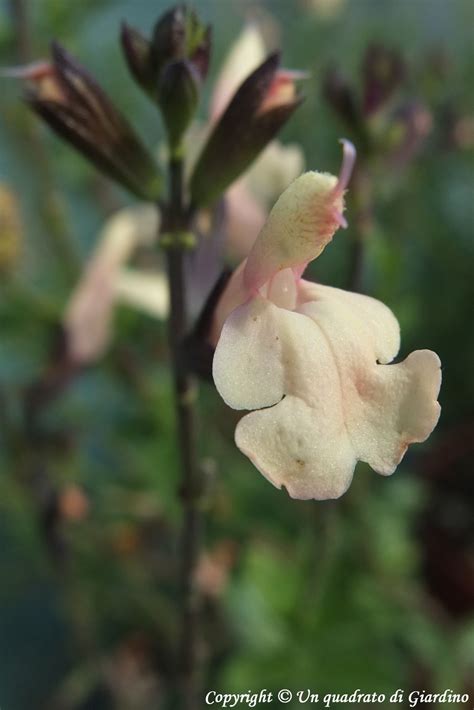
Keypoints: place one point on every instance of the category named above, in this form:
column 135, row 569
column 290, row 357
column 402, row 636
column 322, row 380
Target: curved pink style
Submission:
column 349, row 155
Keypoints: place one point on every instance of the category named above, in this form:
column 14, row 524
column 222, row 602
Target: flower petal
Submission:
column 248, row 366
column 385, row 407
column 146, row 291
column 400, row 409
column 297, row 230
column 302, row 222
column 297, row 447
column 266, row 352
column 274, row 170
column 245, row 218
column 325, row 401
column 379, row 326
column 88, row 314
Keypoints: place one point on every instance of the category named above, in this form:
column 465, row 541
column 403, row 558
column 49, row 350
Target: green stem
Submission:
column 191, row 484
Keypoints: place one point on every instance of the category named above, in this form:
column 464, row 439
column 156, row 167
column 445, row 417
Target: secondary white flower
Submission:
column 313, row 360
column 89, row 312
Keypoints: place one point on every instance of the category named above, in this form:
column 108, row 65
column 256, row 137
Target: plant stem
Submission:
column 191, row 483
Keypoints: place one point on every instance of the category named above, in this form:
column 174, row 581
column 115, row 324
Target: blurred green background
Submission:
column 374, row 591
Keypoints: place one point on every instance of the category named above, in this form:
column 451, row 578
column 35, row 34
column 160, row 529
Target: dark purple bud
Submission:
column 202, row 53
column 178, row 96
column 258, row 110
column 179, row 34
column 340, row 96
column 137, row 51
column 69, row 99
column 410, row 126
column 382, row 73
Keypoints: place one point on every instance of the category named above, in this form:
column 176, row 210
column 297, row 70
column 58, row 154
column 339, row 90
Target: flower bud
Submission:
column 383, row 71
column 171, row 66
column 178, row 95
column 259, row 108
column 340, row 96
column 410, row 125
column 70, row 101
column 137, row 50
column 179, row 34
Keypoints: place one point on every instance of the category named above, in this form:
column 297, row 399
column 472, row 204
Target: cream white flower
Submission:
column 105, row 281
column 313, row 361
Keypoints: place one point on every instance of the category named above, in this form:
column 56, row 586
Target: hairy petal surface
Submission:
column 298, row 228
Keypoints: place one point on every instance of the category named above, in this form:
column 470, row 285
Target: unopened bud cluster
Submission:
column 170, row 65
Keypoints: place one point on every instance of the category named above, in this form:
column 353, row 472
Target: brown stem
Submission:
column 191, row 479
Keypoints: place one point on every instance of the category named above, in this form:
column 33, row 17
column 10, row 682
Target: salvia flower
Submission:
column 313, row 361
column 71, row 102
